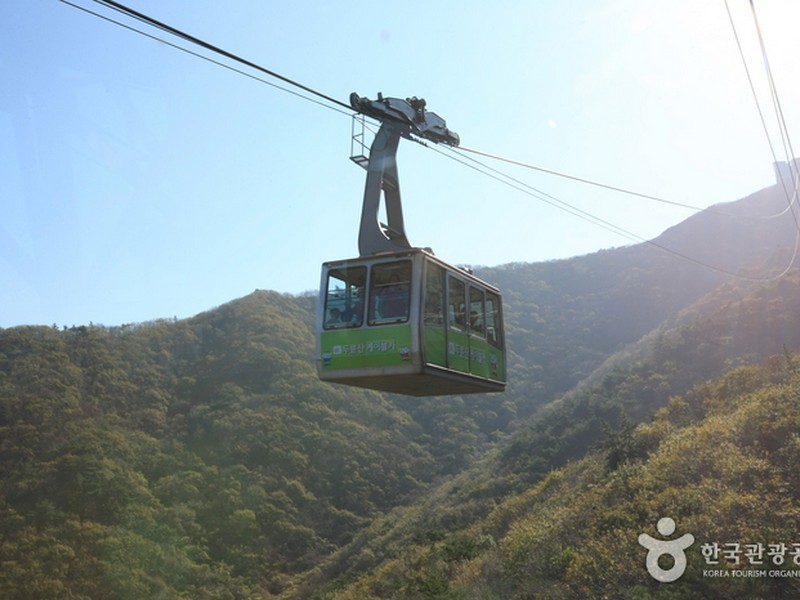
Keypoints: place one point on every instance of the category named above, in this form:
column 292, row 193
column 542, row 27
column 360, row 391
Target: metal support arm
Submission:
column 374, row 237
column 399, row 118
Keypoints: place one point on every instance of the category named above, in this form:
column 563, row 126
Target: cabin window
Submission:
column 390, row 292
column 477, row 320
column 493, row 329
column 434, row 295
column 344, row 299
column 456, row 303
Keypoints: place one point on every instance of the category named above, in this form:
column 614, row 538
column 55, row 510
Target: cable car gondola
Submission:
column 397, row 318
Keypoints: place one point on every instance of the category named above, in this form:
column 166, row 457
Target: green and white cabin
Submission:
column 410, row 323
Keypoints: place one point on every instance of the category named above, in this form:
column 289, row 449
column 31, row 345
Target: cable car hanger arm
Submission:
column 398, row 118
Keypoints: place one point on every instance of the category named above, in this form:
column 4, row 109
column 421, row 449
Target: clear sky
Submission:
column 140, row 182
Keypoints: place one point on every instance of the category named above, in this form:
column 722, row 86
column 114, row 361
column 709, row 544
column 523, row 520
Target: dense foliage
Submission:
column 202, row 458
column 198, row 458
column 735, row 323
column 721, row 461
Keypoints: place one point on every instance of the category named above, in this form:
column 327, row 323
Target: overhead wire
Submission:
column 193, row 39
column 553, row 201
column 575, row 178
column 785, row 138
column 336, row 105
column 536, row 193
column 710, row 209
column 613, row 188
column 784, row 130
column 790, row 198
column 166, row 28
column 217, row 50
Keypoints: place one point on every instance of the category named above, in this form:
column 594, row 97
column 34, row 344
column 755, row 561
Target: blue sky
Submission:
column 139, row 182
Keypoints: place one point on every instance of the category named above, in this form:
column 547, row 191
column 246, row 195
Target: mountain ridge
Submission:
column 209, row 441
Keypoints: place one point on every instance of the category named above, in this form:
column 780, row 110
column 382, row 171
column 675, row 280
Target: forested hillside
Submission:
column 721, row 461
column 202, row 458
